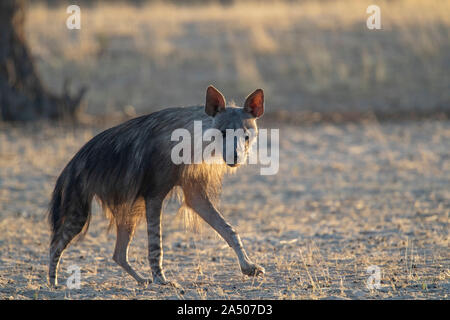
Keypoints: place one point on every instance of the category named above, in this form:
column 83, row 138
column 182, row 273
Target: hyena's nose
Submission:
column 235, row 161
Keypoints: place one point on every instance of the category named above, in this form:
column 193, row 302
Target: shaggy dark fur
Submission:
column 128, row 169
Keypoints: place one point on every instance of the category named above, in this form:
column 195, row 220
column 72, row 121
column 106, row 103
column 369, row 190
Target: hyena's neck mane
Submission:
column 204, row 177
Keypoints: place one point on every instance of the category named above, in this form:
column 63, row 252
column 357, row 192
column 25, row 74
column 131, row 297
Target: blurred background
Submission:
column 309, row 56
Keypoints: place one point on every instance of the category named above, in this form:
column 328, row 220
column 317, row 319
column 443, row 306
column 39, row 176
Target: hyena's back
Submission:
column 119, row 166
column 129, row 169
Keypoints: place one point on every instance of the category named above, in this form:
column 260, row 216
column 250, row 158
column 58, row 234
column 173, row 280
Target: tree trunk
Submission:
column 22, row 95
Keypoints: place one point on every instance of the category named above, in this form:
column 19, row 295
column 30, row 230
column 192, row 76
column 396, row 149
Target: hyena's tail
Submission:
column 69, row 215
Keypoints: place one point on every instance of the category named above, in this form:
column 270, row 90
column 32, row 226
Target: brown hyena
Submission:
column 129, row 170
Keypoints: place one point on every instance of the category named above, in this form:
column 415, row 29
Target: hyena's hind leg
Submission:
column 72, row 226
column 125, row 225
column 155, row 249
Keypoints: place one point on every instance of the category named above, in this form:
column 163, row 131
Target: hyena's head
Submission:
column 237, row 125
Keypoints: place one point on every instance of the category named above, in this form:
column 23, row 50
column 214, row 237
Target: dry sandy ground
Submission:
column 346, row 197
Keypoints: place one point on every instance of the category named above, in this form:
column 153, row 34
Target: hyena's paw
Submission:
column 144, row 282
column 161, row 280
column 253, row 270
column 52, row 283
column 54, row 286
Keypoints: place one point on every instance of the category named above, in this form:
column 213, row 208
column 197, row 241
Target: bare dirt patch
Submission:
column 347, row 196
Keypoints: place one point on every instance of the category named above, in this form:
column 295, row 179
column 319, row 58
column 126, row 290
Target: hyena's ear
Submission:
column 254, row 103
column 215, row 101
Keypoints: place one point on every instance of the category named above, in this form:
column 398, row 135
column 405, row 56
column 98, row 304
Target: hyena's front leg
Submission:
column 212, row 216
column 155, row 251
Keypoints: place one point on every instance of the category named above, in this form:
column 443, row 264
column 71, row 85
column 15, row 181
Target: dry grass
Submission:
column 346, row 197
column 308, row 56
